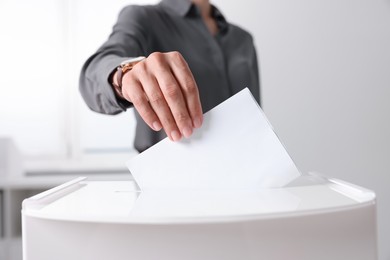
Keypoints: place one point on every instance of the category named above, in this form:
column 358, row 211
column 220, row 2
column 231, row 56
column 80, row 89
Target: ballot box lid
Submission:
column 85, row 200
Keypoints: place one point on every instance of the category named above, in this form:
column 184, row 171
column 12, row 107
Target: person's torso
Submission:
column 222, row 65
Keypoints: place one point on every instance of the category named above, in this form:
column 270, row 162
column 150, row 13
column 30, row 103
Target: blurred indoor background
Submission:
column 325, row 83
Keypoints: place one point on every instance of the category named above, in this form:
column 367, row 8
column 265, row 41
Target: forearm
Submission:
column 95, row 83
column 161, row 87
column 95, row 86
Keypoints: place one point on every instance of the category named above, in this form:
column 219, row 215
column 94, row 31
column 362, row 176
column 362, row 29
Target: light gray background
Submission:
column 325, row 72
column 325, row 68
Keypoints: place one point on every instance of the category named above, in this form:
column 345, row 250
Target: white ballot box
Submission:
column 311, row 218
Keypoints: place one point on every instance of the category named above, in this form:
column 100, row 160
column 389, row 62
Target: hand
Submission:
column 164, row 92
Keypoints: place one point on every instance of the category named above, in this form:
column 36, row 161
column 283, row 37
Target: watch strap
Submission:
column 125, row 66
column 118, row 86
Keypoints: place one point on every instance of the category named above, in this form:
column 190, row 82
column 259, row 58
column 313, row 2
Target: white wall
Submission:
column 325, row 71
column 32, row 40
column 325, row 68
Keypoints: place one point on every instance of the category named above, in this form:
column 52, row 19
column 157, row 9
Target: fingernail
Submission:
column 197, row 122
column 175, row 135
column 187, row 132
column 156, row 126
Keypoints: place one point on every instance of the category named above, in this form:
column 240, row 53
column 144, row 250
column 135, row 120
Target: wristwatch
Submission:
column 124, row 67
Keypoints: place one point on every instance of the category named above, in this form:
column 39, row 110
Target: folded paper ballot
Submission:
column 236, row 148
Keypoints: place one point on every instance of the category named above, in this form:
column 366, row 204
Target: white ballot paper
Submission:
column 236, row 148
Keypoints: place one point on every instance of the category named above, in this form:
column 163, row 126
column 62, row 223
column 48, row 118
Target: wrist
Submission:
column 121, row 70
column 114, row 83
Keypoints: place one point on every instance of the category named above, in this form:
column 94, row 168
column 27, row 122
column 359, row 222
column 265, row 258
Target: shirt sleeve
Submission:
column 128, row 39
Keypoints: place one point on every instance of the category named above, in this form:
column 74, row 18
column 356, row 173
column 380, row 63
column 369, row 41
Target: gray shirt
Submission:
column 222, row 64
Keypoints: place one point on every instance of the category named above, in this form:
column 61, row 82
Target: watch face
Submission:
column 132, row 60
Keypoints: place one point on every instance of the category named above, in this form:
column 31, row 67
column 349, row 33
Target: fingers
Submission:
column 173, row 95
column 140, row 101
column 160, row 106
column 163, row 90
column 189, row 88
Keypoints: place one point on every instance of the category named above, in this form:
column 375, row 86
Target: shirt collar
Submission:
column 181, row 7
column 220, row 19
column 185, row 7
